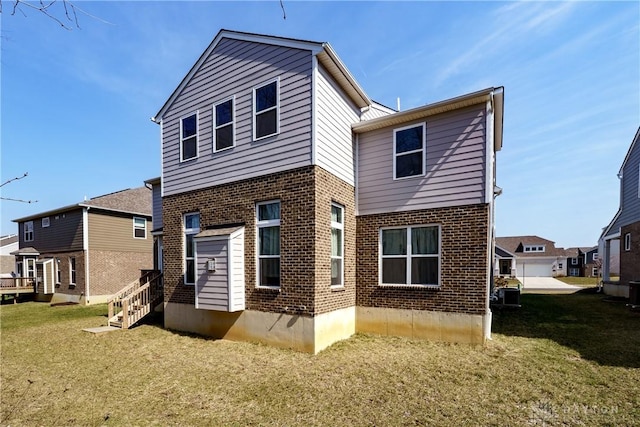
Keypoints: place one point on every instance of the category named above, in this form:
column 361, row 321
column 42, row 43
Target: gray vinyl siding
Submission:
column 234, row 68
column 156, row 200
column 212, row 289
column 63, row 234
column 630, row 202
column 334, row 140
column 455, row 166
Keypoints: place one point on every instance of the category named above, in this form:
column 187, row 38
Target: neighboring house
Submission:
column 574, row 263
column 591, row 262
column 533, row 256
column 87, row 251
column 8, row 244
column 625, row 226
column 296, row 211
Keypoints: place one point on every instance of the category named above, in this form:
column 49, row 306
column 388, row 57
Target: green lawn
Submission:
column 589, row 282
column 560, row 360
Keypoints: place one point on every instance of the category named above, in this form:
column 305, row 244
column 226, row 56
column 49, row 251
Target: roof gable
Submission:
column 132, row 201
column 323, row 51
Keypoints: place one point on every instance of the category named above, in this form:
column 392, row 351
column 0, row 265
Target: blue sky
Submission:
column 76, row 105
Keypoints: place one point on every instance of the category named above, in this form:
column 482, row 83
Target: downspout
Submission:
column 489, row 199
column 85, row 248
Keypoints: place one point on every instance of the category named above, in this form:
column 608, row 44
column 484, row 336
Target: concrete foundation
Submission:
column 616, row 290
column 422, row 324
column 285, row 330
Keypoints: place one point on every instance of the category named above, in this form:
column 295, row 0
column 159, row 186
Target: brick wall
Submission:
column 305, row 195
column 110, row 271
column 630, row 260
column 65, row 286
column 464, row 266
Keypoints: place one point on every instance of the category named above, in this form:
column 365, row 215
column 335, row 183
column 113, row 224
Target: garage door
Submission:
column 535, row 268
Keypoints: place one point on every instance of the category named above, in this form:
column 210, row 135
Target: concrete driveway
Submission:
column 545, row 284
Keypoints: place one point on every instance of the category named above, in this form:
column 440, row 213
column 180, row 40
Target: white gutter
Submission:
column 85, row 248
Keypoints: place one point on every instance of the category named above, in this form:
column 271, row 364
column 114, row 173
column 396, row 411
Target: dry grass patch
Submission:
column 536, row 371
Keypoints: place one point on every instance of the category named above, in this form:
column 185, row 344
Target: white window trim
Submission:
column 423, row 149
column 534, row 248
column 408, row 256
column 188, row 231
column 135, row 227
column 46, row 222
column 627, row 242
column 197, row 114
column 72, row 269
column 233, row 123
column 58, row 272
column 261, row 224
column 254, row 113
column 574, row 261
column 339, row 226
column 594, row 271
column 28, row 231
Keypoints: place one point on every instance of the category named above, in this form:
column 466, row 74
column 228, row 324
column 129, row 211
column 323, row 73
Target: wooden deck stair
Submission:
column 136, row 300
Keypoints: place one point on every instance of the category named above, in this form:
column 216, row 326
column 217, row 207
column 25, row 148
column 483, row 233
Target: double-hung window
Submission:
column 409, row 152
column 223, row 116
column 28, row 231
column 139, row 227
column 410, row 256
column 574, row 261
column 266, row 110
column 268, row 232
column 337, row 245
column 189, row 137
column 72, row 270
column 191, row 224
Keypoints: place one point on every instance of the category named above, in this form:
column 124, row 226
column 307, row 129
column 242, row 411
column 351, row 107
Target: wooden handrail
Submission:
column 137, row 299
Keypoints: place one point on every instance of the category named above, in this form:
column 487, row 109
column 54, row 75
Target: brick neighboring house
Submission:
column 87, row 251
column 624, row 228
column 296, row 211
column 532, row 256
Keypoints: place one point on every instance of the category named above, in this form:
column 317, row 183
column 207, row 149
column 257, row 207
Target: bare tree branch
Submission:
column 49, row 9
column 284, row 14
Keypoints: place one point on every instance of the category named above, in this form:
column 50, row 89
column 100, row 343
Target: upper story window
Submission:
column 189, row 137
column 139, row 228
column 223, row 116
column 337, row 245
column 409, row 153
column 627, row 242
column 574, row 261
column 191, row 227
column 45, row 222
column 268, row 225
column 534, row 248
column 410, row 256
column 595, row 256
column 266, row 108
column 28, row 231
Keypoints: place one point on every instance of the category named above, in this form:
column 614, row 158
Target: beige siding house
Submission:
column 87, row 251
column 296, row 211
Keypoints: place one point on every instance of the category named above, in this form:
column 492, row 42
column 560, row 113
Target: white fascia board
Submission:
column 342, row 75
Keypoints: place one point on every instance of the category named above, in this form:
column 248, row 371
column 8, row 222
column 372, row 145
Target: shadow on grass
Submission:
column 601, row 329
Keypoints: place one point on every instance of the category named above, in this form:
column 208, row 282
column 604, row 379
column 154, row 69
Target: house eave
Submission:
column 428, row 110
